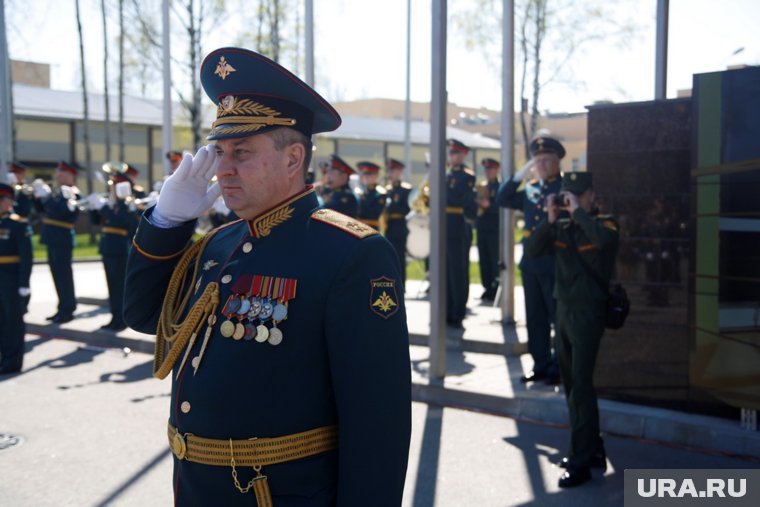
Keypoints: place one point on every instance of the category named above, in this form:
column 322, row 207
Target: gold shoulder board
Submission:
column 344, row 223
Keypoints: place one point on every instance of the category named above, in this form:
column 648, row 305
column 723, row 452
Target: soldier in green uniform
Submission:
column 61, row 213
column 581, row 311
column 15, row 270
column 371, row 197
column 341, row 197
column 487, row 225
column 396, row 210
column 284, row 332
column 118, row 224
column 460, row 201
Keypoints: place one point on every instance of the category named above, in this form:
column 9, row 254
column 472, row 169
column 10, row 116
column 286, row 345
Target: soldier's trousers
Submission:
column 59, row 260
column 579, row 331
column 116, row 269
column 12, row 328
column 488, row 258
column 539, row 314
column 456, row 290
column 399, row 245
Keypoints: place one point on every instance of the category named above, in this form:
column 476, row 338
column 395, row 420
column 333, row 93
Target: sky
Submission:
column 360, row 48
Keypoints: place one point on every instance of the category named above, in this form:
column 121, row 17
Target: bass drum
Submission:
column 418, row 241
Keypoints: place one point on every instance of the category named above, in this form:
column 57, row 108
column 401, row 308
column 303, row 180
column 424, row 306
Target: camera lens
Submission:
column 559, row 200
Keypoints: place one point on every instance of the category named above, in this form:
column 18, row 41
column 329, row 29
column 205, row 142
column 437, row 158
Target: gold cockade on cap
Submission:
column 247, row 116
column 223, row 69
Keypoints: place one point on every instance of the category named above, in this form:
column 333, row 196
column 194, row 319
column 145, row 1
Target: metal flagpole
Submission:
column 506, row 233
column 661, row 51
column 437, row 339
column 167, row 130
column 408, row 102
column 6, row 115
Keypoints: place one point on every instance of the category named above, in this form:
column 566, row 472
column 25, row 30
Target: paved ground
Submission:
column 92, row 425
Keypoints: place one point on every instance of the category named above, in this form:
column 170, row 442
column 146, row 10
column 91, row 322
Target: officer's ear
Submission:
column 295, row 155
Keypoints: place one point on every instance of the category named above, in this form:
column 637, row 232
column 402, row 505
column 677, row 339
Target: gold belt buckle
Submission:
column 178, row 446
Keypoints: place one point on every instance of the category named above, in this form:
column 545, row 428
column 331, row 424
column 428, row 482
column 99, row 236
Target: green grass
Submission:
column 82, row 250
column 415, row 270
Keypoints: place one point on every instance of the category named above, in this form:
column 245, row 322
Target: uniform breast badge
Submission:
column 383, row 300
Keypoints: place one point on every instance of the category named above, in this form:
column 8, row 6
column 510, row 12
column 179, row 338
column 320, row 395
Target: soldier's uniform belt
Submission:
column 114, row 230
column 254, row 452
column 396, row 216
column 58, row 223
column 527, row 233
column 452, row 210
column 9, row 259
column 370, row 222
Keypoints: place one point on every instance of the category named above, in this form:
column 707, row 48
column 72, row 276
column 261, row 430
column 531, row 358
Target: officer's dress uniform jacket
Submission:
column 15, row 270
column 22, row 207
column 460, row 203
column 58, row 234
column 537, row 270
column 581, row 315
column 344, row 348
column 343, row 200
column 396, row 210
column 487, row 225
column 371, row 204
column 119, row 224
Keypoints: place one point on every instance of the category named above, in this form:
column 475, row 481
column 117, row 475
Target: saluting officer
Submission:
column 537, row 271
column 590, row 239
column 285, row 332
column 15, row 270
column 371, row 196
column 61, row 213
column 460, row 200
column 23, row 205
column 396, row 210
column 119, row 223
column 487, row 225
column 341, row 197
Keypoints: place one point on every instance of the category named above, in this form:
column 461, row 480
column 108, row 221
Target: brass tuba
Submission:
column 418, row 223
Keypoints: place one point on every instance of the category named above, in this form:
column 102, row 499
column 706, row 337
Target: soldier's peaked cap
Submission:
column 546, row 144
column 17, row 167
column 6, row 190
column 395, row 164
column 367, row 167
column 254, row 94
column 338, row 163
column 577, row 182
column 65, row 166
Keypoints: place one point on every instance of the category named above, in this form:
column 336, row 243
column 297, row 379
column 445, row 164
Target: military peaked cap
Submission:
column 546, row 144
column 576, row 182
column 174, row 155
column 253, row 95
column 490, row 163
column 6, row 190
column 456, row 145
column 338, row 163
column 17, row 167
column 395, row 164
column 368, row 167
column 65, row 166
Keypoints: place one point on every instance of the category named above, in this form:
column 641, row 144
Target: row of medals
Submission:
column 261, row 309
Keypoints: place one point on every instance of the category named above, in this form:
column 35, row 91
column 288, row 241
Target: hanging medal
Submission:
column 227, row 328
column 262, row 332
column 286, row 293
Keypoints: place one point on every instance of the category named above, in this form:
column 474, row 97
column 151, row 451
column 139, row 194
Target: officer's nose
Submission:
column 225, row 167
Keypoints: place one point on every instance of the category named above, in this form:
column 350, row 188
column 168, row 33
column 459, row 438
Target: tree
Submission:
column 86, row 134
column 107, row 122
column 550, row 33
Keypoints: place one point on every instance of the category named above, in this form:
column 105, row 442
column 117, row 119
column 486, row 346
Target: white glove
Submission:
column 41, row 189
column 519, row 175
column 186, row 195
column 123, row 189
column 95, row 201
column 67, row 192
column 24, row 291
column 12, row 180
column 220, row 207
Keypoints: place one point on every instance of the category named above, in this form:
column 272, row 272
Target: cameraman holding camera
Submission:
column 585, row 245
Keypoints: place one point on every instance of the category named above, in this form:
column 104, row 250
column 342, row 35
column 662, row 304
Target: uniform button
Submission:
column 196, row 361
column 226, row 278
column 247, row 247
column 536, row 217
column 185, row 407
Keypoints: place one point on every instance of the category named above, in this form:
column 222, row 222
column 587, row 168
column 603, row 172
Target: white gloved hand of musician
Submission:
column 186, row 194
column 12, row 180
column 68, row 192
column 41, row 189
column 95, row 201
column 24, row 291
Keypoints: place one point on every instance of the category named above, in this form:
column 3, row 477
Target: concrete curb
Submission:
column 703, row 433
